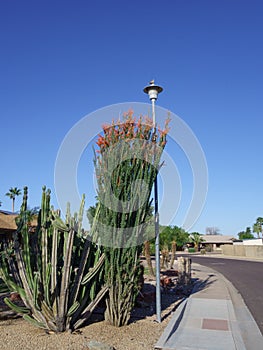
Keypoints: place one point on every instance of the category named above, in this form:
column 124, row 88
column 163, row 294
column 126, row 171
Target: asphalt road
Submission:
column 247, row 278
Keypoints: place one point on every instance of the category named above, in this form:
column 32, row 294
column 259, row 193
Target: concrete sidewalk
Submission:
column 214, row 317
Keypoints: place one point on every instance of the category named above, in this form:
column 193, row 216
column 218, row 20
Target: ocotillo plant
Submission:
column 56, row 270
column 126, row 165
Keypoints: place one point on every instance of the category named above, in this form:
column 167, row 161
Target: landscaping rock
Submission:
column 95, row 345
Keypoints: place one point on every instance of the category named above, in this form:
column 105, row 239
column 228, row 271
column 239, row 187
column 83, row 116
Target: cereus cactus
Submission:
column 127, row 163
column 56, row 270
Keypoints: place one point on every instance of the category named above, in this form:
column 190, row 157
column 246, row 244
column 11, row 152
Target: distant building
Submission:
column 215, row 242
column 7, row 225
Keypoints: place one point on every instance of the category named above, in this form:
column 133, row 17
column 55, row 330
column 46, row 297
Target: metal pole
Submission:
column 157, row 254
column 153, row 113
column 152, row 90
column 157, row 237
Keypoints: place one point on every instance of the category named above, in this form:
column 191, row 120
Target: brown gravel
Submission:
column 142, row 332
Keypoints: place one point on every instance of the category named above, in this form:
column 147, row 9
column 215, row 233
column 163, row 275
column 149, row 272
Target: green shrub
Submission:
column 208, row 249
column 191, row 250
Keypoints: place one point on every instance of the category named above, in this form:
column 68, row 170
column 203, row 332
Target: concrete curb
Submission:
column 248, row 327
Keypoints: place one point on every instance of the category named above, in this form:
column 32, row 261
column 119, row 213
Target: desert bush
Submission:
column 191, row 250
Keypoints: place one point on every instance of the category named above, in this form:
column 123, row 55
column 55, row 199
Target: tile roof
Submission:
column 218, row 239
column 7, row 221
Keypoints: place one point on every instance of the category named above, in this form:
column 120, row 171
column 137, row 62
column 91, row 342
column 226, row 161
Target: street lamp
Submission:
column 153, row 90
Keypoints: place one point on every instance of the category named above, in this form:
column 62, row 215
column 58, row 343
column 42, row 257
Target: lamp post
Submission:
column 153, row 90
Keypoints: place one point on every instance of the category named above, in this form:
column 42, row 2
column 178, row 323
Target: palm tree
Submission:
column 147, row 254
column 196, row 238
column 257, row 227
column 12, row 194
column 173, row 254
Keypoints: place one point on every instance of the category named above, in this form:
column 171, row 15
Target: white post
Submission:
column 153, row 112
column 157, row 237
column 152, row 90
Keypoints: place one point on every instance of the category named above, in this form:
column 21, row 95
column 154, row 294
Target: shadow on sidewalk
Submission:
column 201, row 284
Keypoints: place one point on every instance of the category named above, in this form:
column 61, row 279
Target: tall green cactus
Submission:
column 126, row 167
column 56, row 270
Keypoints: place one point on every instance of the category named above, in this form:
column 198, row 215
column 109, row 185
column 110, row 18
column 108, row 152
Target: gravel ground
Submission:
column 18, row 334
column 142, row 332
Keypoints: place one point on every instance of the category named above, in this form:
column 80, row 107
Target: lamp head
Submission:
column 152, row 90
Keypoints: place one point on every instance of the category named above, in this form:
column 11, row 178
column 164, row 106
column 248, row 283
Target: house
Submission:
column 215, row 242
column 7, row 225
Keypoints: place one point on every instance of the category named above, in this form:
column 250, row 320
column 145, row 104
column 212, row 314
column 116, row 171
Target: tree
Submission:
column 166, row 239
column 147, row 254
column 150, row 228
column 0, row 203
column 257, row 227
column 172, row 237
column 248, row 230
column 12, row 194
column 29, row 216
column 196, row 238
column 246, row 234
column 171, row 234
column 212, row 231
column 181, row 236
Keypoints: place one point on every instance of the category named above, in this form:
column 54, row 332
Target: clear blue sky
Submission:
column 61, row 60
